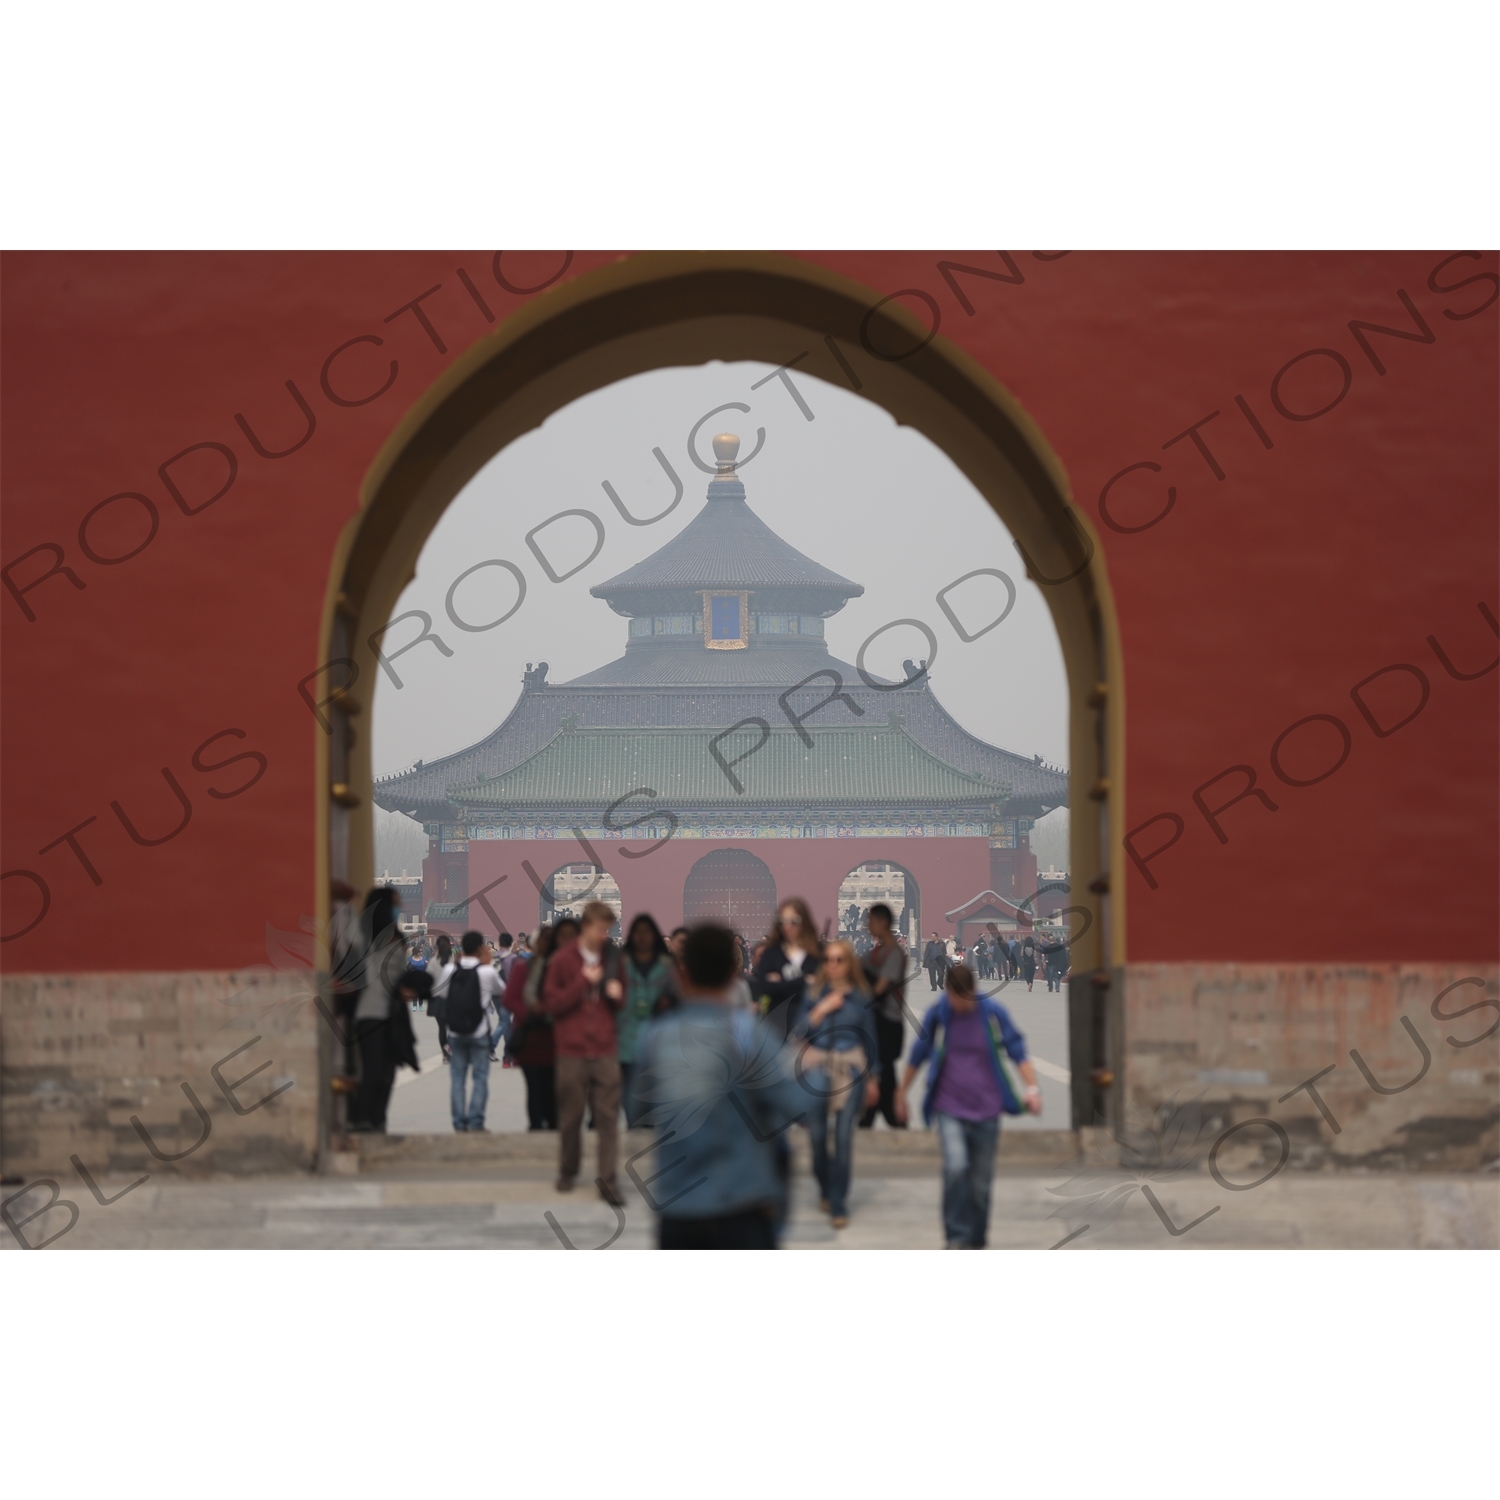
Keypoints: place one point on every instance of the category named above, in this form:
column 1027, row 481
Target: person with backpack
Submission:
column 984, row 957
column 468, row 991
column 1028, row 959
column 974, row 1054
column 583, row 992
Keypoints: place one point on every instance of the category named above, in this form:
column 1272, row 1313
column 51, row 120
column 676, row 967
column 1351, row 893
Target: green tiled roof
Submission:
column 859, row 765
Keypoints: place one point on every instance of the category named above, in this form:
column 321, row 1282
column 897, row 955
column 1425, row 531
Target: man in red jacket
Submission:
column 582, row 993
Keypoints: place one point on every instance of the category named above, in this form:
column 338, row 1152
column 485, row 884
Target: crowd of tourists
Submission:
column 719, row 1050
column 1021, row 956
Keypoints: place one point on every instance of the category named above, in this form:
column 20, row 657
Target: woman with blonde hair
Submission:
column 790, row 959
column 837, row 1065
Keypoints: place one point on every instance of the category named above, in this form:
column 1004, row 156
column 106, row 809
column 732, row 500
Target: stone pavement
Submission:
column 496, row 1192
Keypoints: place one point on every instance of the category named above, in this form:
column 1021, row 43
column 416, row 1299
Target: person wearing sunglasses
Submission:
column 838, row 1067
column 790, row 959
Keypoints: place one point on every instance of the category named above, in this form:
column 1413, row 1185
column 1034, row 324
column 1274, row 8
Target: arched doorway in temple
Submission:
column 881, row 880
column 697, row 731
column 731, row 886
column 568, row 889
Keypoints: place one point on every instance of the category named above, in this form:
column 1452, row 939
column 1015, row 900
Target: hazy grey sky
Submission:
column 876, row 502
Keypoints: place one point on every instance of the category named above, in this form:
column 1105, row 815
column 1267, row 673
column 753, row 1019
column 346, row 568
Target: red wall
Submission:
column 948, row 872
column 1259, row 599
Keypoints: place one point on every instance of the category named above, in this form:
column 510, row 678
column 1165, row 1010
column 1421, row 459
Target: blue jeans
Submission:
column 833, row 1173
column 469, row 1052
column 968, row 1166
column 632, row 1108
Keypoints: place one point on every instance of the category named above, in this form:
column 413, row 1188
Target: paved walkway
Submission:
column 507, row 1206
column 433, row 1189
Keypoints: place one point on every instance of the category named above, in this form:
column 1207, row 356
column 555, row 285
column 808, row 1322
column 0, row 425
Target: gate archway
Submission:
column 661, row 310
column 733, row 887
column 569, row 888
column 881, row 880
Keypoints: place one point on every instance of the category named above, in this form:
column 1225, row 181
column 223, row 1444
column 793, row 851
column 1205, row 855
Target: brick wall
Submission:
column 1244, row 1036
column 80, row 1055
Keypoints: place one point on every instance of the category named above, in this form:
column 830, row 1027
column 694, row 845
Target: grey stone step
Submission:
column 528, row 1153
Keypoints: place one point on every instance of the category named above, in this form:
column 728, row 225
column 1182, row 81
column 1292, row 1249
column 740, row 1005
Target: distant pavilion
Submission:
column 689, row 739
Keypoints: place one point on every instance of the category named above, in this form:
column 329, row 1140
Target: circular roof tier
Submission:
column 726, row 546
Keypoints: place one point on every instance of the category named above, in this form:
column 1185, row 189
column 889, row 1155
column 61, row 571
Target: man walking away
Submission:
column 506, row 957
column 1028, row 959
column 885, row 968
column 715, row 1082
column 468, row 990
column 1047, row 957
column 1055, row 958
column 969, row 1039
column 583, row 992
column 933, row 958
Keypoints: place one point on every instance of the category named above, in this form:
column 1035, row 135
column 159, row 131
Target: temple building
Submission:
column 727, row 760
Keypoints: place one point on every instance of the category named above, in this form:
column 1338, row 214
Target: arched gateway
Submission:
column 731, row 886
column 726, row 723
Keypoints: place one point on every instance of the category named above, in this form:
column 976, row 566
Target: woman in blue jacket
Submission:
column 838, row 1062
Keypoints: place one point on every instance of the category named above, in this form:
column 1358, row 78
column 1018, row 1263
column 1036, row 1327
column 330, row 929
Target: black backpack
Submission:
column 463, row 1012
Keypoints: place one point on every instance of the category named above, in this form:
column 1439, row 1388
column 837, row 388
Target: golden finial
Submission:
column 726, row 449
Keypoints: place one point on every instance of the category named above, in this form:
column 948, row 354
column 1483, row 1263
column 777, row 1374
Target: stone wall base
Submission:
column 1244, row 1039
column 83, row 1058
column 119, row 1071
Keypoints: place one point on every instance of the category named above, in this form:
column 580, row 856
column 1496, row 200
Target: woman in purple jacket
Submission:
column 974, row 1051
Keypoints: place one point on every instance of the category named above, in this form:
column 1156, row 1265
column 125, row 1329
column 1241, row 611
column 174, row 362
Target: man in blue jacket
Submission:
column 968, row 1089
column 716, row 1084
